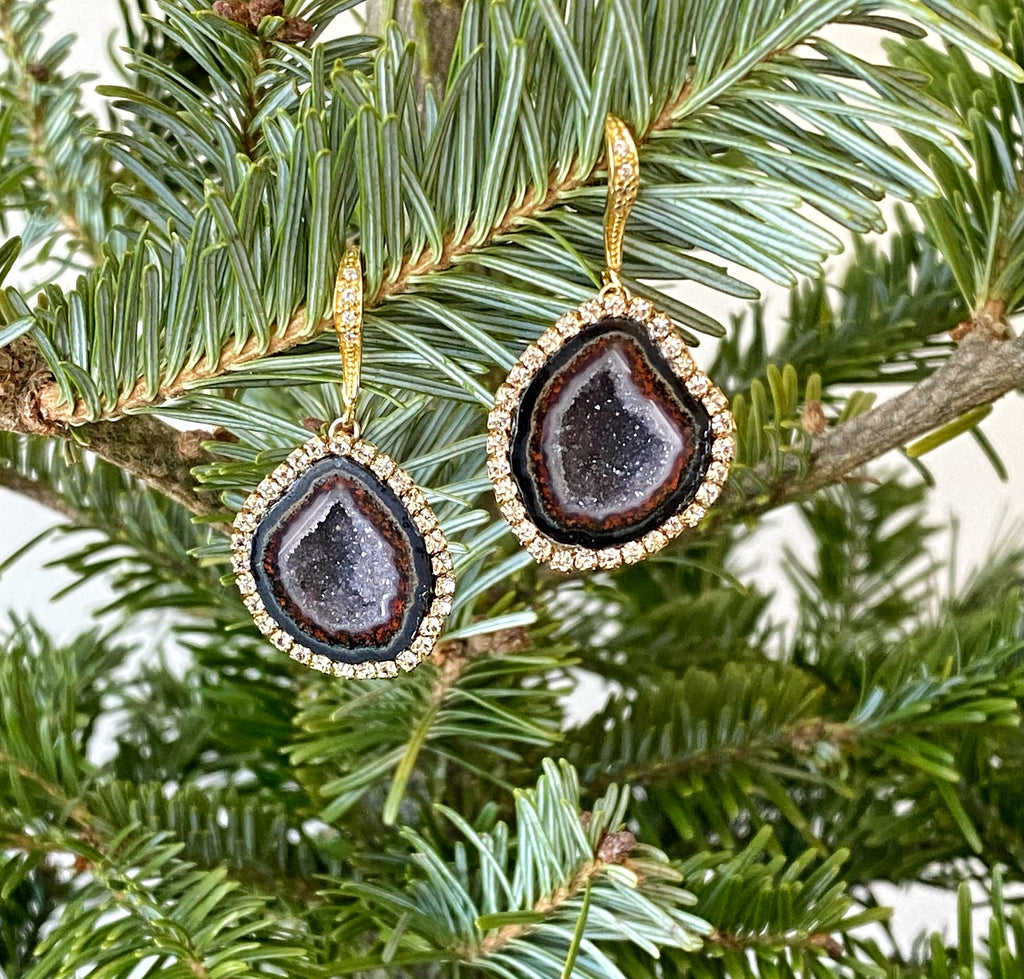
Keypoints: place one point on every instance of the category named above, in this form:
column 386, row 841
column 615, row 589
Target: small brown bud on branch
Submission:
column 812, row 419
column 250, row 15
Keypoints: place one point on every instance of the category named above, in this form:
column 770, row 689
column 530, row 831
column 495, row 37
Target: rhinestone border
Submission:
column 270, row 490
column 570, row 558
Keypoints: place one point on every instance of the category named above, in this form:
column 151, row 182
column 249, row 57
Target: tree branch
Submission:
column 798, row 741
column 33, row 490
column 139, row 444
column 35, row 122
column 613, row 848
column 433, row 24
column 149, row 449
column 48, row 399
column 979, row 372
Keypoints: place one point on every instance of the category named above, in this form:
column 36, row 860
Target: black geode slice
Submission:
column 340, row 566
column 607, row 442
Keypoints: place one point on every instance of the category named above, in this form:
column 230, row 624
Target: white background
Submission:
column 968, row 493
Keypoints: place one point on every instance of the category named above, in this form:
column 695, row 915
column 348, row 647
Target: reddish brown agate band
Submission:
column 690, row 508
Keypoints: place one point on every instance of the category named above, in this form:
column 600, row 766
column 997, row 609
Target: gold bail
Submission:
column 623, row 183
column 348, row 324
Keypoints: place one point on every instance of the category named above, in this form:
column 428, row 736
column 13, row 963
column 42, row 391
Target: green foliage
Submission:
column 56, row 176
column 191, row 923
column 512, row 906
column 126, row 531
column 473, row 720
column 880, row 323
column 978, row 219
column 872, row 720
column 233, row 246
column 179, row 800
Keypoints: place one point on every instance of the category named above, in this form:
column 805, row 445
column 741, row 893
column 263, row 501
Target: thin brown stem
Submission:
column 818, row 941
column 50, row 407
column 38, row 492
column 612, row 848
column 979, row 372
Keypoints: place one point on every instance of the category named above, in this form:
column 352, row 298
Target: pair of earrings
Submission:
column 605, row 442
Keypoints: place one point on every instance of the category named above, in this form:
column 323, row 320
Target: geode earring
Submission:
column 606, row 441
column 337, row 554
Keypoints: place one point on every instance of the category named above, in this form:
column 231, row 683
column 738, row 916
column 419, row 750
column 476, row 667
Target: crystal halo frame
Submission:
column 614, row 301
column 343, row 440
column 567, row 558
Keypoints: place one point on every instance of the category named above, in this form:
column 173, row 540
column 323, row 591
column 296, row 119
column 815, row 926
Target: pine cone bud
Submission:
column 258, row 9
column 294, row 30
column 813, row 420
column 231, row 10
column 616, row 847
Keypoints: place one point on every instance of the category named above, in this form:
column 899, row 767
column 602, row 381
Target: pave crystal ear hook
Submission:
column 606, row 441
column 337, row 554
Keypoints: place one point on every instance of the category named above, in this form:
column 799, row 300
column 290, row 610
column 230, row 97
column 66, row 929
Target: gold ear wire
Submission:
column 623, row 183
column 348, row 324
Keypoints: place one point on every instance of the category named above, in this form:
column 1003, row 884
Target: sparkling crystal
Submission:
column 585, row 560
column 608, row 442
column 562, row 561
column 724, row 449
column 340, row 565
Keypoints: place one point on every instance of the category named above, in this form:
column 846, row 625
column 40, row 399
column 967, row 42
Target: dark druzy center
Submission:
column 608, row 443
column 340, row 565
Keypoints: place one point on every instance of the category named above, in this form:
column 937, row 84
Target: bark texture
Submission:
column 979, row 372
column 140, row 444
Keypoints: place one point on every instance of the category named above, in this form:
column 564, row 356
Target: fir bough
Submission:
column 210, row 809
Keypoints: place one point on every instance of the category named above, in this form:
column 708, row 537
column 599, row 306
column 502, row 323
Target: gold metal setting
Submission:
column 343, row 439
column 270, row 490
column 623, row 185
column 348, row 324
column 614, row 300
column 568, row 558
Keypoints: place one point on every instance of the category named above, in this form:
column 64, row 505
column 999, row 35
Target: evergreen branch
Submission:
column 140, row 445
column 139, row 900
column 510, row 905
column 477, row 707
column 151, row 450
column 142, row 548
column 50, row 154
column 276, row 853
column 49, row 716
column 791, row 912
column 862, row 734
column 978, row 219
column 401, row 205
column 980, row 371
column 881, row 321
column 50, row 804
column 51, row 406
